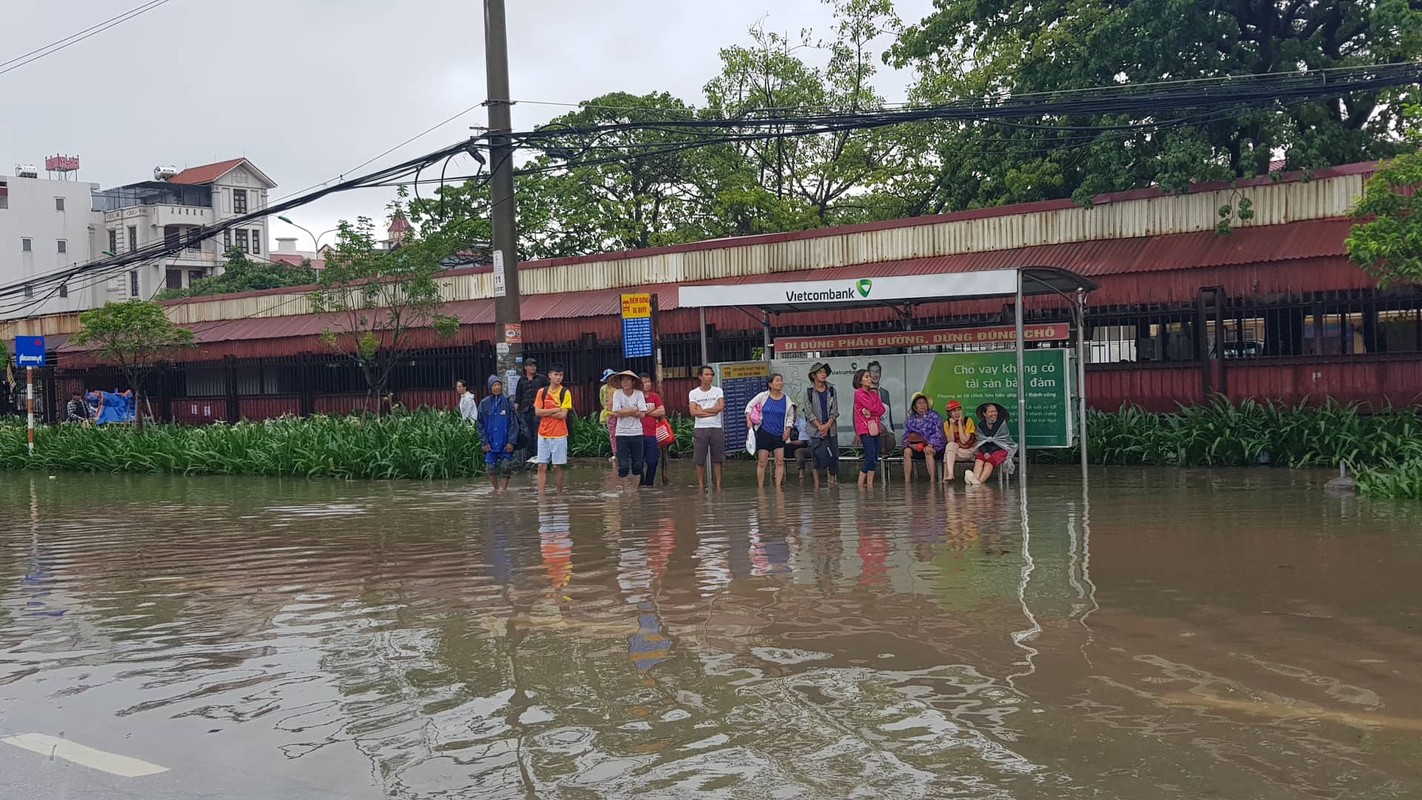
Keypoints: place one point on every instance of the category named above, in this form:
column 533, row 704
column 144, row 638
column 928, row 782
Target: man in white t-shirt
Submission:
column 708, row 406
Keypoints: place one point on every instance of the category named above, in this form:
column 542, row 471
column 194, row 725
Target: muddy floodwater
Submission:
column 1166, row 634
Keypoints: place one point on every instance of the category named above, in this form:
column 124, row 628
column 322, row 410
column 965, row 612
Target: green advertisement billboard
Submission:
column 976, row 378
column 969, row 378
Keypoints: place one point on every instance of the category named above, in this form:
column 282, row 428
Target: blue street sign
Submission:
column 637, row 326
column 29, row 351
column 636, row 338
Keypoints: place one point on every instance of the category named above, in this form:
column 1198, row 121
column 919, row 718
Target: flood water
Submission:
column 1194, row 634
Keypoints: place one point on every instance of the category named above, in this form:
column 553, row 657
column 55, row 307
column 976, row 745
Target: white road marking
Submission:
column 112, row 763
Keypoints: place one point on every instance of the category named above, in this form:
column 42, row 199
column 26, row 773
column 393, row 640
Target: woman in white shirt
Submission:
column 629, row 406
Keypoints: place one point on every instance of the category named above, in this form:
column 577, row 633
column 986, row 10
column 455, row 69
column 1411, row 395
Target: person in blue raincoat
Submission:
column 498, row 428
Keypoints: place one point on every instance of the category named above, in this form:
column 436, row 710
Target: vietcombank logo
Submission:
column 859, row 289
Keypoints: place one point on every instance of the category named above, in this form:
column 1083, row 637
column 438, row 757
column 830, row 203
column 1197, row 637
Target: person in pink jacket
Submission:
column 868, row 423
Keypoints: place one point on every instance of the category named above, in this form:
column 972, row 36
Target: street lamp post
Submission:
column 315, row 240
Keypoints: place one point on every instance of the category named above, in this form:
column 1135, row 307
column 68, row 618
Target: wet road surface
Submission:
column 1203, row 634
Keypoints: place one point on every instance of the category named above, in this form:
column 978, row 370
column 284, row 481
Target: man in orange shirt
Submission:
column 552, row 407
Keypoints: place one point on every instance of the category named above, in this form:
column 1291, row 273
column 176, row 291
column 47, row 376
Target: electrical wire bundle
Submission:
column 1194, row 101
column 35, row 290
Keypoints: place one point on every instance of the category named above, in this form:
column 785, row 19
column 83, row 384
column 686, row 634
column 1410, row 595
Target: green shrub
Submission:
column 424, row 445
column 1225, row 434
column 1398, row 481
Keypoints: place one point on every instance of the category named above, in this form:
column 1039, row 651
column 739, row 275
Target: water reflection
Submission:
column 1241, row 636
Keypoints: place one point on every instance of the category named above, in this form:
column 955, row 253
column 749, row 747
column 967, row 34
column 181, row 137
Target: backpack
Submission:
column 538, row 403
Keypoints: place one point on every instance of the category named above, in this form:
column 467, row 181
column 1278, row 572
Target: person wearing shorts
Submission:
column 552, row 406
column 629, row 407
column 708, row 406
column 772, row 414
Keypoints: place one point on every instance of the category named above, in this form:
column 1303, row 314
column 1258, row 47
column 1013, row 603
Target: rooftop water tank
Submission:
column 163, row 173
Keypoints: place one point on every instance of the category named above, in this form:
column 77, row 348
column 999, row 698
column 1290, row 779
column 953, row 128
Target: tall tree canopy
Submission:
column 990, row 48
column 640, row 185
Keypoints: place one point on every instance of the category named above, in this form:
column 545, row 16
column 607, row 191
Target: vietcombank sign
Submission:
column 789, row 295
column 859, row 290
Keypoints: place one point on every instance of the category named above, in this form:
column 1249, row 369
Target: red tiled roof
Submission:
column 294, row 260
column 399, row 224
column 206, row 173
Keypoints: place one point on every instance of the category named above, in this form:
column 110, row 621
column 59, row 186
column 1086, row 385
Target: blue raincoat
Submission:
column 496, row 422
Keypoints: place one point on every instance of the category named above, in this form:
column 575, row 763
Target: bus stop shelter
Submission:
column 841, row 293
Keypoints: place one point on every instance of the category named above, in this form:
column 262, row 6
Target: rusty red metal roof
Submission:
column 1098, row 258
column 1296, row 257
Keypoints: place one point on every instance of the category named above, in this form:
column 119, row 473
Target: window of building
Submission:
column 133, row 283
column 29, row 291
column 239, row 201
column 63, row 246
column 257, row 242
column 26, row 245
column 242, row 241
column 172, row 236
column 63, row 290
column 4, row 194
column 113, row 240
column 195, row 275
column 133, row 241
column 175, row 279
column 227, row 240
column 59, row 204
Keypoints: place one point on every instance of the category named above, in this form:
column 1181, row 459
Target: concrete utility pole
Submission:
column 508, row 316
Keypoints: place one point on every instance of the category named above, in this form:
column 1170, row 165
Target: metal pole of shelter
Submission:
column 705, row 351
column 765, row 330
column 1081, row 374
column 1021, row 390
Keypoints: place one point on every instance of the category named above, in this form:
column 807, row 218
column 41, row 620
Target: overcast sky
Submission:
column 308, row 89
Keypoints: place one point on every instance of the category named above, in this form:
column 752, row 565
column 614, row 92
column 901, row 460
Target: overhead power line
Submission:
column 1194, row 101
column 75, row 38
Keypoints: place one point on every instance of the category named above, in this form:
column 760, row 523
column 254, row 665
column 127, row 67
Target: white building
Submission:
column 46, row 225
column 164, row 209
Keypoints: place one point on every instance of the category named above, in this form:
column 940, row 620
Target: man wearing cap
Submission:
column 532, row 381
column 822, row 416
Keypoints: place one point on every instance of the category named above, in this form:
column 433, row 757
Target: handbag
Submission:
column 872, row 426
column 666, row 435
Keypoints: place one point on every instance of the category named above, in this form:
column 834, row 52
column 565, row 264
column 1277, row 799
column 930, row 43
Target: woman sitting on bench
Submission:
column 995, row 445
column 923, row 437
column 962, row 437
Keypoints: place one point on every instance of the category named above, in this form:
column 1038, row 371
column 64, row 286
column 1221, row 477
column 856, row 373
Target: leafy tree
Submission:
column 1388, row 243
column 377, row 300
column 135, row 336
column 620, row 190
column 242, row 274
column 990, row 48
column 819, row 179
